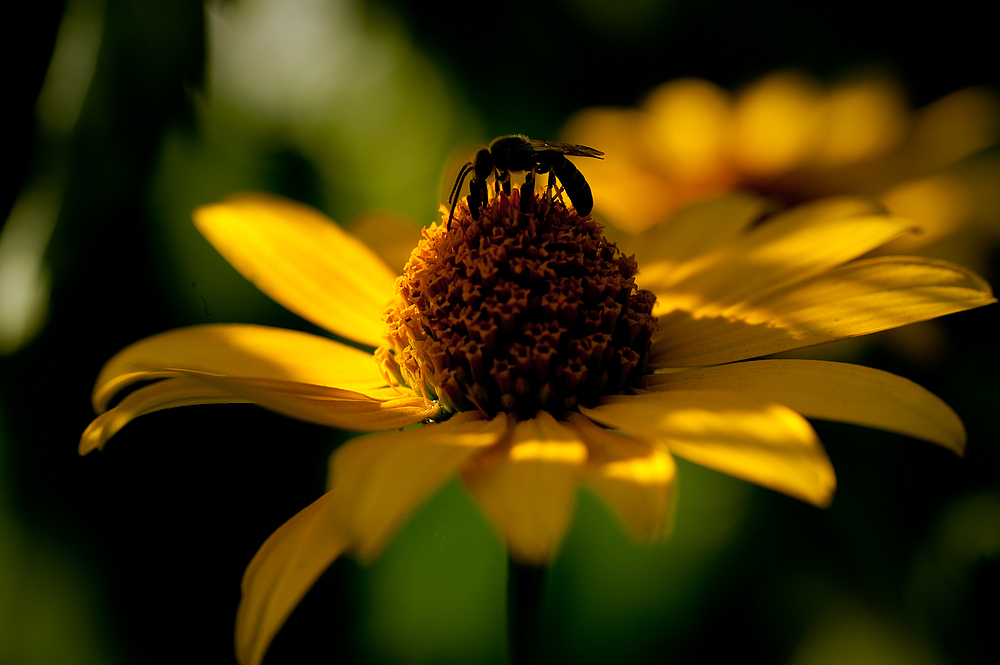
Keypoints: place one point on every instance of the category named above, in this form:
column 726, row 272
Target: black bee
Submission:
column 519, row 153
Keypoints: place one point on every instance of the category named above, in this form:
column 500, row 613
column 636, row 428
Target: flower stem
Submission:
column 525, row 595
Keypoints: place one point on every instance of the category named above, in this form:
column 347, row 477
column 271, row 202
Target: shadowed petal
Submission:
column 369, row 411
column 753, row 439
column 238, row 350
column 785, row 250
column 304, row 261
column 634, row 476
column 283, row 570
column 859, row 298
column 831, row 391
column 528, row 487
column 166, row 394
column 381, row 479
column 690, row 232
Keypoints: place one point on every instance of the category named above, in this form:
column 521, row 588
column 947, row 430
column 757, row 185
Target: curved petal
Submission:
column 634, row 476
column 859, row 298
column 743, row 436
column 301, row 259
column 238, row 350
column 783, row 251
column 383, row 478
column 344, row 409
column 527, row 488
column 691, row 232
column 166, row 394
column 831, row 391
column 283, row 570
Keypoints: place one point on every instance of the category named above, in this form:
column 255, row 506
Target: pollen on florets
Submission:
column 517, row 312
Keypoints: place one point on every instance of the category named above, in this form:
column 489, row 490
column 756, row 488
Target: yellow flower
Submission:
column 789, row 138
column 519, row 342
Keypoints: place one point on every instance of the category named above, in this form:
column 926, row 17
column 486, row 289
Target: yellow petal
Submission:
column 955, row 126
column 692, row 231
column 304, row 261
column 527, row 489
column 634, row 476
column 859, row 298
column 863, row 120
column 784, row 250
column 334, row 407
column 283, row 570
column 832, row 391
column 687, row 129
column 778, row 124
column 750, row 438
column 238, row 350
column 383, row 478
column 166, row 394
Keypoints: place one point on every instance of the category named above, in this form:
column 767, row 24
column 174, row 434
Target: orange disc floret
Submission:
column 517, row 312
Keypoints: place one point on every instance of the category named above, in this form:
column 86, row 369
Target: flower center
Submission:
column 517, row 312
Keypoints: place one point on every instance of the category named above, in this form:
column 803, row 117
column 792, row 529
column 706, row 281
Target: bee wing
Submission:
column 566, row 148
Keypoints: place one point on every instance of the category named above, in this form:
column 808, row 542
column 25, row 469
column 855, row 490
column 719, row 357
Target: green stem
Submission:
column 525, row 595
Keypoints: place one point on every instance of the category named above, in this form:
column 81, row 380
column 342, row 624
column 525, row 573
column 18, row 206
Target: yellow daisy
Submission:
column 789, row 138
column 523, row 347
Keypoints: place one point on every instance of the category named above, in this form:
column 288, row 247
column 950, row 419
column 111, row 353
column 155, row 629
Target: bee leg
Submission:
column 527, row 191
column 503, row 180
column 476, row 198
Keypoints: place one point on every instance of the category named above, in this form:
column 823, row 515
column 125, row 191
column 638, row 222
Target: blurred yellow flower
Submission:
column 789, row 138
column 524, row 347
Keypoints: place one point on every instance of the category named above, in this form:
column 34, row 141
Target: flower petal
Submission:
column 691, row 232
column 304, row 261
column 831, row 391
column 785, row 250
column 166, row 394
column 750, row 438
column 634, row 476
column 527, row 488
column 238, row 350
column 283, row 570
column 859, row 298
column 382, row 478
column 334, row 407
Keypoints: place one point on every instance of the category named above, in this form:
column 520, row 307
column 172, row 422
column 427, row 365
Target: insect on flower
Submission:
column 517, row 153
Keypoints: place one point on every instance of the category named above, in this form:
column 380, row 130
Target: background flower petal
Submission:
column 304, row 261
column 747, row 437
column 856, row 299
column 832, row 391
column 527, row 488
column 238, row 350
column 634, row 476
column 382, row 478
column 334, row 407
column 166, row 394
column 283, row 570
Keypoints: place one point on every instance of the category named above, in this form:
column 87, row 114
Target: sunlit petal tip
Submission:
column 738, row 434
column 835, row 391
column 528, row 489
column 634, row 476
column 301, row 259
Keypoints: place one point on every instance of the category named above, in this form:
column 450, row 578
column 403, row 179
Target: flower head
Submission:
column 787, row 137
column 525, row 348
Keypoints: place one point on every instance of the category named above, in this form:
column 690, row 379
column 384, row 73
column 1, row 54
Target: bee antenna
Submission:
column 456, row 188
